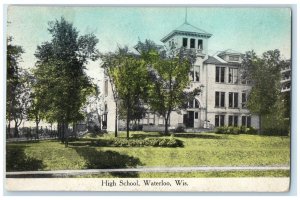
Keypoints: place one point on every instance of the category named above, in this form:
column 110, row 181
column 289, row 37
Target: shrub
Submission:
column 179, row 129
column 154, row 142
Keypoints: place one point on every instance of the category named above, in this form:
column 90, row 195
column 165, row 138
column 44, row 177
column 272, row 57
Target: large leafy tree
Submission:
column 169, row 78
column 17, row 92
column 264, row 73
column 61, row 81
column 131, row 83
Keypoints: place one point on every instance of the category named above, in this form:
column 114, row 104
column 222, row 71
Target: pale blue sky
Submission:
column 240, row 29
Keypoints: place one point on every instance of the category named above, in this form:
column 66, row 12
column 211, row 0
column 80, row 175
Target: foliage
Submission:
column 264, row 98
column 154, row 142
column 168, row 74
column 130, row 79
column 235, row 130
column 60, row 77
column 17, row 90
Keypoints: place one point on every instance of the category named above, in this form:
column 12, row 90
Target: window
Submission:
column 192, row 75
column 234, row 58
column 220, row 99
column 106, row 88
column 233, row 75
column 184, row 42
column 233, row 100
column 200, row 44
column 196, row 115
column 219, row 120
column 194, row 104
column 161, row 120
column 244, row 99
column 105, row 107
column 197, row 76
column 170, row 44
column 232, row 120
column 246, row 121
column 192, row 43
column 151, row 118
column 220, row 74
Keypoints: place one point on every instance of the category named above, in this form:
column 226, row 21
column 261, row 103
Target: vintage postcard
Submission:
column 141, row 98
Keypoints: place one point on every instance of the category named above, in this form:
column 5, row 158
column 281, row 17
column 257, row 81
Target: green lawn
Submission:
column 201, row 149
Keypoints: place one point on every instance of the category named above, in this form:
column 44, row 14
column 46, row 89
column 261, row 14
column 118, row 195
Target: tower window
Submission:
column 106, row 88
column 184, row 42
column 192, row 45
column 200, row 44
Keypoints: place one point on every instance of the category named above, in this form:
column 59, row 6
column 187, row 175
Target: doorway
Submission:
column 188, row 119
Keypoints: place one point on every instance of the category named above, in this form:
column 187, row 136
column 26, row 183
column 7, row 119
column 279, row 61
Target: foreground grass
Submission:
column 205, row 149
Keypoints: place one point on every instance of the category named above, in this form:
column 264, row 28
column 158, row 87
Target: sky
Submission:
column 240, row 29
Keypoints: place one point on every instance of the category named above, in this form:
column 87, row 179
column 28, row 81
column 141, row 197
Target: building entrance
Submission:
column 188, row 119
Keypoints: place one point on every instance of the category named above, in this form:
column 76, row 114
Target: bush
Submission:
column 235, row 130
column 179, row 129
column 154, row 142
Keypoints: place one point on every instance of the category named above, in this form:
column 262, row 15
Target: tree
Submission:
column 264, row 73
column 16, row 100
column 60, row 75
column 169, row 78
column 112, row 60
column 131, row 82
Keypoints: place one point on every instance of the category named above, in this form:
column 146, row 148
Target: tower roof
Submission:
column 187, row 29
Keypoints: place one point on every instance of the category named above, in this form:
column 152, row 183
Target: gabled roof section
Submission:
column 212, row 60
column 229, row 52
column 187, row 29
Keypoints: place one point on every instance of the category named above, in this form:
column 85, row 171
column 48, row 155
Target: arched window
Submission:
column 194, row 104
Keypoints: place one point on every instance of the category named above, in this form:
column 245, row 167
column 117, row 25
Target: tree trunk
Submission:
column 66, row 134
column 16, row 131
column 8, row 130
column 74, row 129
column 127, row 123
column 37, row 129
column 116, row 121
column 260, row 124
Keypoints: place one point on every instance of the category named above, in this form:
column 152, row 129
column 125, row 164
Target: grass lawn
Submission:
column 200, row 149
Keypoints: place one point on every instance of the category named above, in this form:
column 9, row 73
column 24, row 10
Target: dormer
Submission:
column 231, row 56
column 188, row 36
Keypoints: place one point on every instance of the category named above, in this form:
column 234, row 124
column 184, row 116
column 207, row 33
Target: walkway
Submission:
column 58, row 173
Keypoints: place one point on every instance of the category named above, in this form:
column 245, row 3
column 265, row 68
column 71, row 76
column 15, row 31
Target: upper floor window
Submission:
column 106, row 88
column 195, row 73
column 220, row 74
column 234, row 58
column 233, row 100
column 194, row 104
column 244, row 99
column 200, row 44
column 184, row 42
column 192, row 43
column 233, row 75
column 220, row 99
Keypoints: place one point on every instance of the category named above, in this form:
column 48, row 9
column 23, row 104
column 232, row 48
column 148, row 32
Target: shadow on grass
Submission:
column 108, row 160
column 198, row 135
column 17, row 160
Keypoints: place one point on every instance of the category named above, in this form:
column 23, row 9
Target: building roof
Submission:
column 229, row 52
column 212, row 60
column 187, row 29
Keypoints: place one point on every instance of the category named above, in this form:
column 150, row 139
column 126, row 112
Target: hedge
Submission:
column 235, row 130
column 123, row 142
